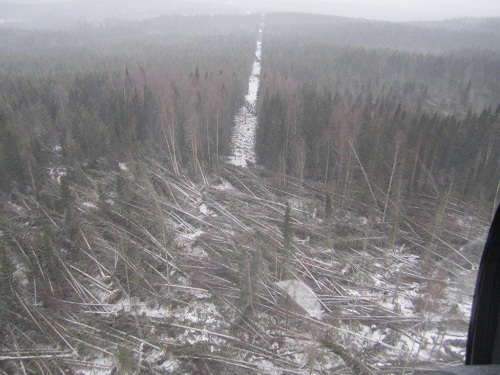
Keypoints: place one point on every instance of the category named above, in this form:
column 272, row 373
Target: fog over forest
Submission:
column 75, row 10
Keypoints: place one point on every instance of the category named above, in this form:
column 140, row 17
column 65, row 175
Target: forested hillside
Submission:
column 130, row 242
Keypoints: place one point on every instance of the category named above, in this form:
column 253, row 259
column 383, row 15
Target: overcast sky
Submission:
column 395, row 10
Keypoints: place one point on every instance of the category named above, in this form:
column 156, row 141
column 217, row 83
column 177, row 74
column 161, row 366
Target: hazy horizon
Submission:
column 386, row 10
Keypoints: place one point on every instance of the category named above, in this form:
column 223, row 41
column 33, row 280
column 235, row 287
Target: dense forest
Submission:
column 169, row 86
column 130, row 244
column 430, row 120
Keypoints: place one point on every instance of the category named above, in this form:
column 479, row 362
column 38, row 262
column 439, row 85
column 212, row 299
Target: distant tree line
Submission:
column 437, row 36
column 447, row 81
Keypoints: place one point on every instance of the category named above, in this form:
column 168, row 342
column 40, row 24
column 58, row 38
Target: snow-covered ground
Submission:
column 372, row 297
column 245, row 122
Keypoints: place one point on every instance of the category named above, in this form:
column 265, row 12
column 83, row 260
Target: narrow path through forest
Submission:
column 245, row 121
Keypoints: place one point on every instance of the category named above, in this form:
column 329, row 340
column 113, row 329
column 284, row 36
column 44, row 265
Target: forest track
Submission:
column 245, row 121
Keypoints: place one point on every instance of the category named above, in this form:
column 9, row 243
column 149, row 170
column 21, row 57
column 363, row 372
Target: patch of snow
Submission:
column 169, row 367
column 372, row 334
column 267, row 367
column 228, row 232
column 354, row 293
column 224, row 185
column 200, row 294
column 303, row 296
column 253, row 88
column 187, row 239
column 203, row 208
column 96, row 366
column 57, row 172
column 245, row 121
column 89, row 205
column 205, row 313
column 405, row 306
column 377, row 279
column 123, row 167
column 244, row 138
column 206, row 316
column 20, row 275
column 198, row 252
column 274, row 346
column 363, row 221
column 135, row 306
column 162, row 361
